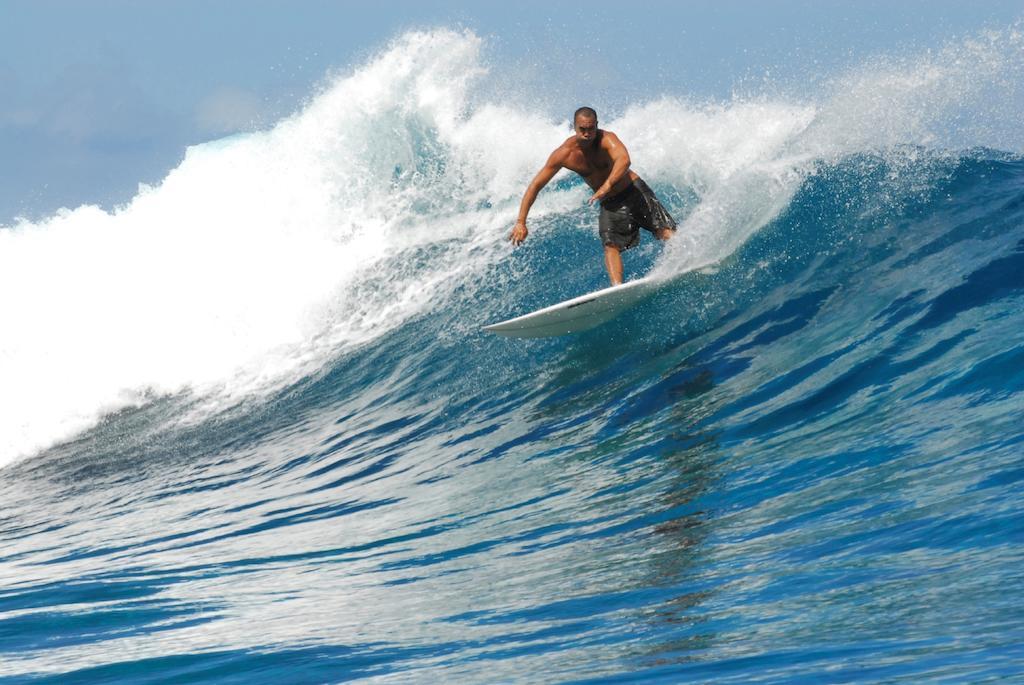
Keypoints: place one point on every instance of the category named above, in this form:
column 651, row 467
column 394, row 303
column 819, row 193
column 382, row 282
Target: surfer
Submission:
column 627, row 204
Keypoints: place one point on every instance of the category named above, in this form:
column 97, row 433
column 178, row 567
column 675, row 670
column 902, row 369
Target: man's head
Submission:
column 584, row 123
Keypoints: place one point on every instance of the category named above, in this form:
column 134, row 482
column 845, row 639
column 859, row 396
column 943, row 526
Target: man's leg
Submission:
column 665, row 233
column 613, row 262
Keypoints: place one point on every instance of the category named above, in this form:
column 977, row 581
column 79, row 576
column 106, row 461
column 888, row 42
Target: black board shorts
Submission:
column 624, row 214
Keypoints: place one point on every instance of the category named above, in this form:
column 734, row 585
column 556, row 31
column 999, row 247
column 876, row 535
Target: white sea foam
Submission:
column 262, row 256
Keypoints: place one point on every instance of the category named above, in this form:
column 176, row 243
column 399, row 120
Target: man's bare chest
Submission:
column 589, row 165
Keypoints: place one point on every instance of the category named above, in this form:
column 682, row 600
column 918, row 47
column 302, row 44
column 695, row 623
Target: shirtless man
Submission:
column 626, row 202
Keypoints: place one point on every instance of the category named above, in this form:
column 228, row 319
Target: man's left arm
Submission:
column 620, row 164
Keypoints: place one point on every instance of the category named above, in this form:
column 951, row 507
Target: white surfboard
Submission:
column 578, row 314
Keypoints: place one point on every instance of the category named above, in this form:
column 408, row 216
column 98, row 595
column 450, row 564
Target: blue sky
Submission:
column 99, row 96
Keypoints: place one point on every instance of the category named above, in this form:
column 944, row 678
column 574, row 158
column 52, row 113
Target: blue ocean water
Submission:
column 801, row 461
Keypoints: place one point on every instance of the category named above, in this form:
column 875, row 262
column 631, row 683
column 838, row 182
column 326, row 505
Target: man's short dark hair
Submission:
column 587, row 112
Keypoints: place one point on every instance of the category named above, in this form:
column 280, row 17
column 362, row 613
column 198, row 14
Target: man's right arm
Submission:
column 551, row 167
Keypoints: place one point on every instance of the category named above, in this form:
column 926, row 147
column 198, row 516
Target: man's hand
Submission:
column 518, row 234
column 598, row 196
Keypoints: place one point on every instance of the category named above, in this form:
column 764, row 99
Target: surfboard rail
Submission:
column 577, row 314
